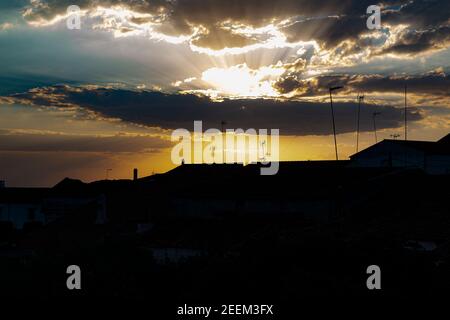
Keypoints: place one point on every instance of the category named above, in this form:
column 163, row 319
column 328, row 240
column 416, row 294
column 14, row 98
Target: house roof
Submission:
column 445, row 140
column 441, row 147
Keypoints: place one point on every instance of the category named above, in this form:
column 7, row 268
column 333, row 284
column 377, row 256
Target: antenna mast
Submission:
column 360, row 100
column 332, row 116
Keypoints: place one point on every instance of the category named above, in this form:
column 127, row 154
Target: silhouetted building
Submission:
column 305, row 189
column 432, row 157
column 20, row 206
column 69, row 199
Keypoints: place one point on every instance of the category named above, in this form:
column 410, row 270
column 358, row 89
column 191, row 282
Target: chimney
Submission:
column 135, row 174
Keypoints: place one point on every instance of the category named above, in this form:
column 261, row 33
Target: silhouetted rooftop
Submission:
column 441, row 146
column 445, row 140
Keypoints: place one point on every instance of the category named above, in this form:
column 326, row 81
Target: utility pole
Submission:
column 375, row 114
column 332, row 116
column 360, row 100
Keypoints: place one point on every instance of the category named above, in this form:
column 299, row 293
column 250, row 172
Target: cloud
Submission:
column 6, row 26
column 221, row 24
column 172, row 111
column 217, row 38
column 182, row 14
column 13, row 141
column 419, row 14
column 412, row 42
column 436, row 83
column 329, row 31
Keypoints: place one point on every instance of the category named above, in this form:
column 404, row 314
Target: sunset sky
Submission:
column 108, row 96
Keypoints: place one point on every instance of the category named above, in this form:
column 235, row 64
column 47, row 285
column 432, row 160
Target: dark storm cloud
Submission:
column 44, row 142
column 436, row 83
column 258, row 12
column 172, row 111
column 328, row 21
column 217, row 39
column 412, row 42
column 428, row 29
column 420, row 14
column 329, row 31
column 208, row 12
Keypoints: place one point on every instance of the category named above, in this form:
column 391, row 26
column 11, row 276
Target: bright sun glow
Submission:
column 242, row 81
